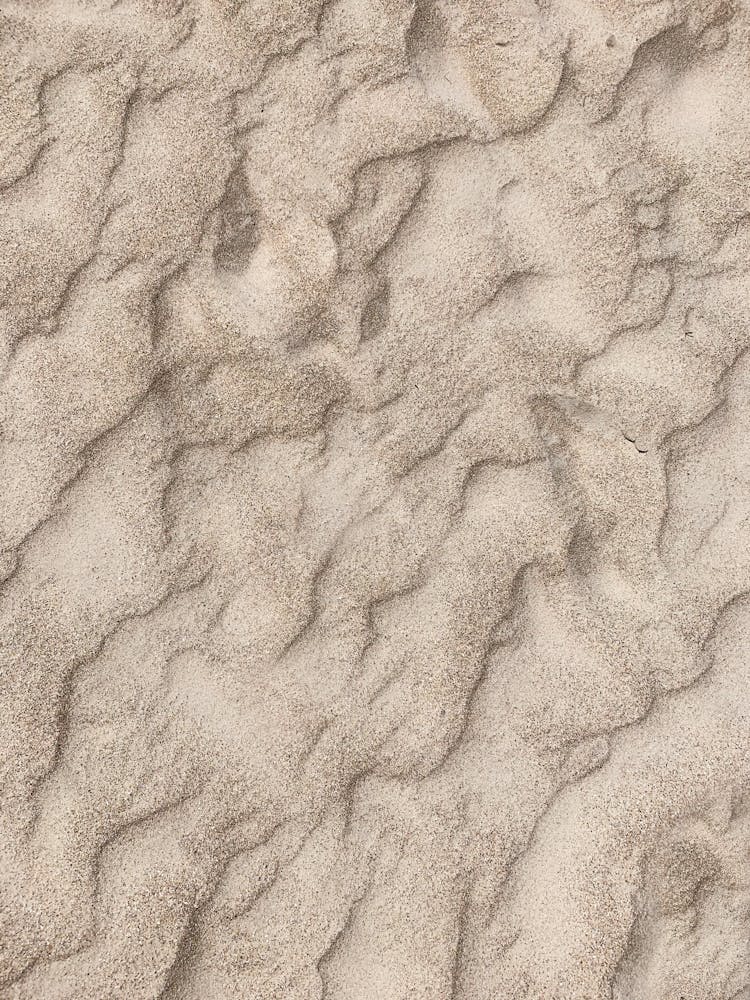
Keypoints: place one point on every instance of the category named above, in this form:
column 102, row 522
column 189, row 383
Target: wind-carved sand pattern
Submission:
column 374, row 420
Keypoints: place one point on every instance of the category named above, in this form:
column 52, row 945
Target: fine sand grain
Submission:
column 375, row 520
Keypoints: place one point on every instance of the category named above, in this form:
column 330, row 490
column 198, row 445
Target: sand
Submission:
column 375, row 521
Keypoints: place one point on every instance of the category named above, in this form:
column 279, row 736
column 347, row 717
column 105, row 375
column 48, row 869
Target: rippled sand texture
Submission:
column 375, row 464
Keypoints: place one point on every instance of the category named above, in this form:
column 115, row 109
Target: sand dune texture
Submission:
column 374, row 417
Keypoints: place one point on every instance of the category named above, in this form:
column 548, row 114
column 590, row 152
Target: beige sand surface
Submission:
column 375, row 521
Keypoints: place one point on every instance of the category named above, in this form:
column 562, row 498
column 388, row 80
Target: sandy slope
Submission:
column 375, row 522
